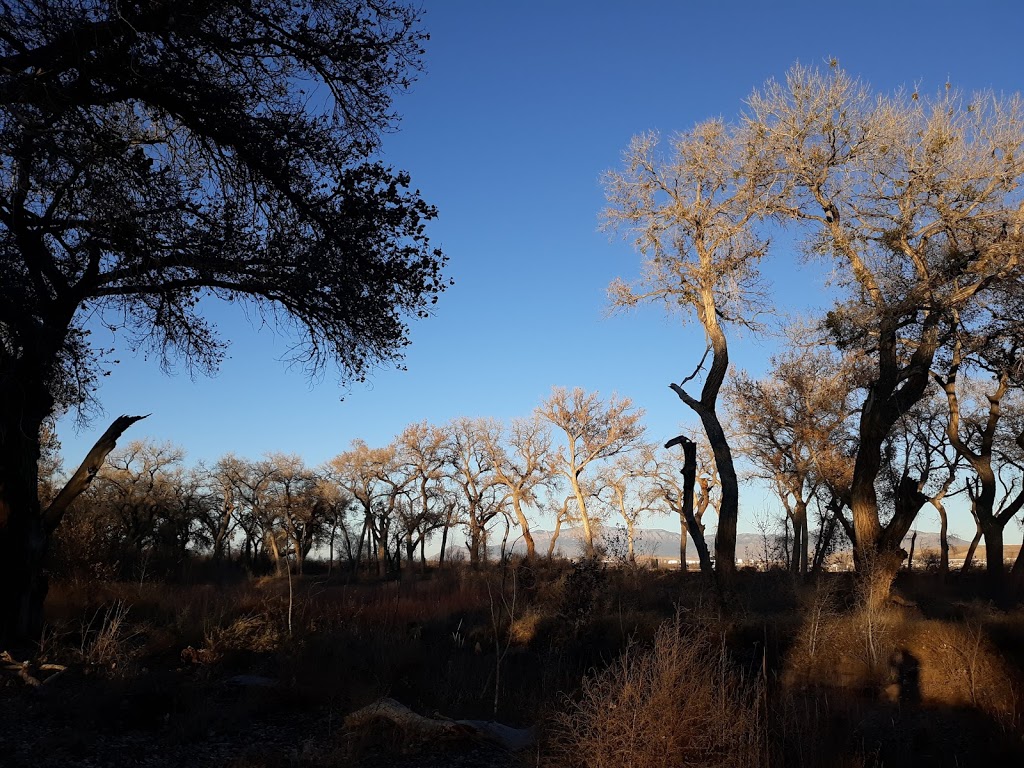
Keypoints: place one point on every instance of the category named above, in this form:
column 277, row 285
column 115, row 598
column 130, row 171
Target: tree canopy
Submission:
column 155, row 154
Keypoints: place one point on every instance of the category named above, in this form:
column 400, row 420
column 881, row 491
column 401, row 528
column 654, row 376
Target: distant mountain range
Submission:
column 657, row 542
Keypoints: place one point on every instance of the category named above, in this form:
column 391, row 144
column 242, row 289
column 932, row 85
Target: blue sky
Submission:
column 523, row 106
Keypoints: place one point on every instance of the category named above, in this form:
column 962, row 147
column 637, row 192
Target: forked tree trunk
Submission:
column 1017, row 575
column 524, row 524
column 689, row 473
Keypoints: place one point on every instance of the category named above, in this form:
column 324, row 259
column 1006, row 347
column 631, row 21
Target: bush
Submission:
column 676, row 703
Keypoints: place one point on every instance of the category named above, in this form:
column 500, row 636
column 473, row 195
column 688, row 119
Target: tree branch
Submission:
column 86, row 471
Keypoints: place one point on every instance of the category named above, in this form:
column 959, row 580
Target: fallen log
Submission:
column 421, row 727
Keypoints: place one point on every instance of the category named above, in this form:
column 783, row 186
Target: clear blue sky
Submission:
column 523, row 106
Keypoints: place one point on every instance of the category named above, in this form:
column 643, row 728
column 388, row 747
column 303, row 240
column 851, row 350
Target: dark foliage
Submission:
column 157, row 153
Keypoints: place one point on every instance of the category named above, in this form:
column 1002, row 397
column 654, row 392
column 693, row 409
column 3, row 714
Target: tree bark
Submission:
column 943, row 538
column 969, row 557
column 524, row 524
column 682, row 543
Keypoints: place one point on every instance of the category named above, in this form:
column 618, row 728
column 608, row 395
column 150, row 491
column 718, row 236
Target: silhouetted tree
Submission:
column 668, row 483
column 991, row 445
column 157, row 152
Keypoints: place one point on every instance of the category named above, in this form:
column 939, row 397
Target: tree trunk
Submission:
column 910, row 557
column 23, row 547
column 682, row 543
column 444, row 537
column 554, row 537
column 474, row 540
column 993, row 534
column 969, row 557
column 1017, row 575
column 696, row 529
column 25, row 529
column 588, row 531
column 943, row 539
column 524, row 524
column 825, row 533
column 801, row 537
column 728, row 510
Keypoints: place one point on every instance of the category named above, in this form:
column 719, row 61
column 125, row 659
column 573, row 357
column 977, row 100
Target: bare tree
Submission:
column 296, row 507
column 980, row 437
column 626, row 481
column 147, row 511
column 221, row 520
column 691, row 216
column 473, row 473
column 785, row 423
column 917, row 200
column 594, row 431
column 424, row 449
column 922, row 435
column 337, row 505
column 522, row 468
column 375, row 478
column 250, row 483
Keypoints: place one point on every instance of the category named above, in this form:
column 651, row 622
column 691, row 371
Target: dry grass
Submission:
column 812, row 675
column 676, row 703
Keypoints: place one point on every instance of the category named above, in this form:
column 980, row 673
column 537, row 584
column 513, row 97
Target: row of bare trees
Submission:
column 577, row 458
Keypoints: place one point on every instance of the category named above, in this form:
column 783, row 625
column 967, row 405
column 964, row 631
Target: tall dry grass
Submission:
column 676, row 703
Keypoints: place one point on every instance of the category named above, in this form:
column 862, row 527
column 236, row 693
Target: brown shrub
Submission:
column 677, row 703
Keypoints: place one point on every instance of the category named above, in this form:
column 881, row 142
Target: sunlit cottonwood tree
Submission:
column 472, row 473
column 157, row 153
column 917, row 201
column 522, row 466
column 594, row 431
column 424, row 451
column 337, row 528
column 786, row 424
column 299, row 512
column 221, row 520
column 624, row 486
column 249, row 483
column 375, row 479
column 691, row 213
